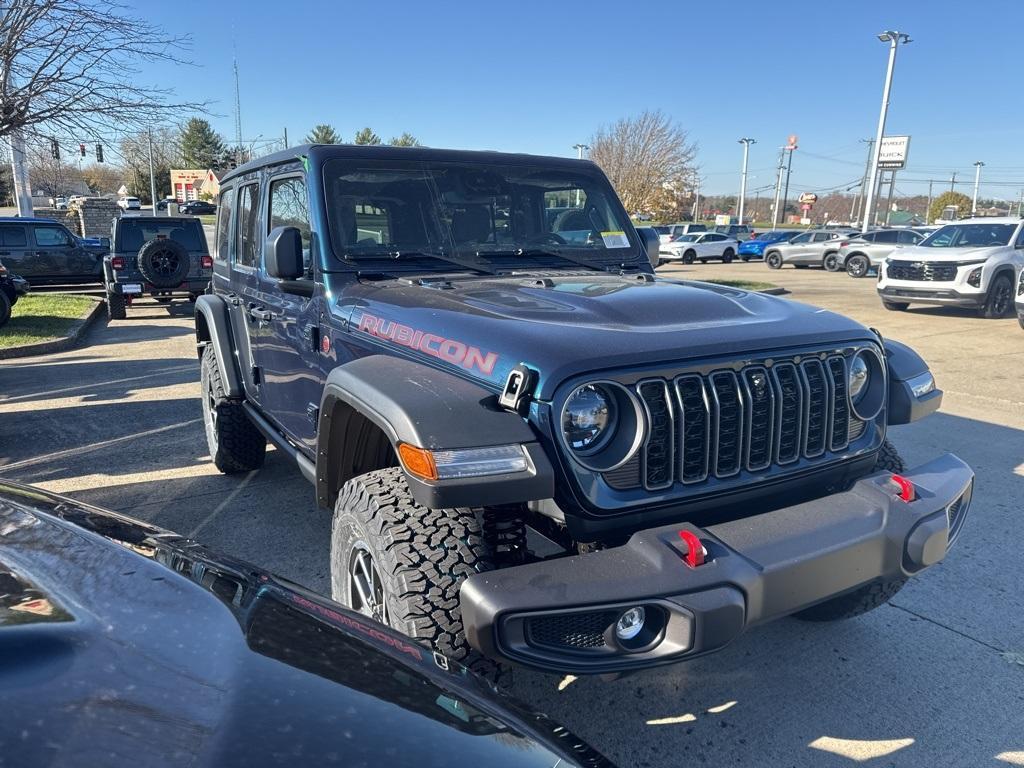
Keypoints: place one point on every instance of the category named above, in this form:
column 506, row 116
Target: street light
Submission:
column 580, row 149
column 743, row 176
column 894, row 39
column 977, row 181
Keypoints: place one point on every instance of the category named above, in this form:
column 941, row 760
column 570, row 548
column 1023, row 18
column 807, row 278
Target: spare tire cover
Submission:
column 164, row 263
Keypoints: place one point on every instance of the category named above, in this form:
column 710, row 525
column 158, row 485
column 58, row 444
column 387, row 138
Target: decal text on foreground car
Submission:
column 122, row 644
column 454, row 347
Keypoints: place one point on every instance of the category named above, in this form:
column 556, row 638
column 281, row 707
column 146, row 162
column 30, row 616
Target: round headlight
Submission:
column 858, row 378
column 588, row 417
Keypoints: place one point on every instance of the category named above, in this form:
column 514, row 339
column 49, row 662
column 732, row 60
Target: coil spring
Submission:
column 505, row 533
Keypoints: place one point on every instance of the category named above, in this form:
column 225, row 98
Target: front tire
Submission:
column 895, row 306
column 874, row 594
column 999, row 301
column 689, row 257
column 6, row 307
column 857, row 266
column 831, row 262
column 773, row 260
column 420, row 557
column 234, row 442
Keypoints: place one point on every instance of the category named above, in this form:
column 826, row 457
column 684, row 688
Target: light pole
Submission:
column 580, row 149
column 977, row 181
column 743, row 176
column 894, row 39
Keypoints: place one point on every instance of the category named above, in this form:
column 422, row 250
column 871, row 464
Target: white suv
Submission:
column 971, row 263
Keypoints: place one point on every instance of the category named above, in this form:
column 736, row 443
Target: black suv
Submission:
column 159, row 256
column 450, row 365
column 44, row 252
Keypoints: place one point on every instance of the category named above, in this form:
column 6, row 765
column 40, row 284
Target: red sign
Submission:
column 805, row 207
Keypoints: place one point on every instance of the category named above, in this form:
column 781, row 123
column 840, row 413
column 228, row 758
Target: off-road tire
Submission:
column 858, row 266
column 6, row 306
column 895, row 306
column 164, row 263
column 774, row 260
column 727, row 256
column 116, row 307
column 870, row 596
column 999, row 300
column 830, row 262
column 422, row 556
column 234, row 442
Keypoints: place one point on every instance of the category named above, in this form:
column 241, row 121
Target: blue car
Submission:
column 754, row 247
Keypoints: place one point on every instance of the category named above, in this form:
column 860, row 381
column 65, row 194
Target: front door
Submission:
column 799, row 249
column 56, row 252
column 244, row 288
column 290, row 345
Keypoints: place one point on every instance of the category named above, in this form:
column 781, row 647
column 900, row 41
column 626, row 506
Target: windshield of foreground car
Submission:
column 490, row 215
column 969, row 236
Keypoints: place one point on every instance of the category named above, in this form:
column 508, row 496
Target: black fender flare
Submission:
column 904, row 364
column 213, row 328
column 428, row 408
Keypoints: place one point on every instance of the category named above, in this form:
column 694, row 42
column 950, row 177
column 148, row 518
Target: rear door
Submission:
column 243, row 287
column 885, row 243
column 289, row 348
column 15, row 252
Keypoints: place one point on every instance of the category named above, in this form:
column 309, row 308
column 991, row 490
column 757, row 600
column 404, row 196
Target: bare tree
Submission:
column 67, row 67
column 50, row 176
column 134, row 151
column 643, row 155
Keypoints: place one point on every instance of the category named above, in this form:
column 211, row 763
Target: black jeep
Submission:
column 537, row 451
column 12, row 288
column 159, row 256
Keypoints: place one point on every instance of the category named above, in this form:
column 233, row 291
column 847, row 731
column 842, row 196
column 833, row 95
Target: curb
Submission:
column 56, row 345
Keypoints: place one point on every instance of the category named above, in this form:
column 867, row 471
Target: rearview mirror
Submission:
column 282, row 254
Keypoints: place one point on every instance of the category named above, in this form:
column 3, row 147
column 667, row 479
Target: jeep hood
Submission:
column 917, row 253
column 569, row 324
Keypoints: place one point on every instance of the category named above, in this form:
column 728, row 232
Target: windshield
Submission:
column 969, row 236
column 480, row 213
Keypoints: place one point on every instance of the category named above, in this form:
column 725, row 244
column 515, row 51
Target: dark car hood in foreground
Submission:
column 124, row 645
column 568, row 324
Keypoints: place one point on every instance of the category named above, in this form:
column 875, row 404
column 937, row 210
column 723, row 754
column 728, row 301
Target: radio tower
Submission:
column 238, row 114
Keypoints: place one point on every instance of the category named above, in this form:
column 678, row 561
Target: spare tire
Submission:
column 164, row 263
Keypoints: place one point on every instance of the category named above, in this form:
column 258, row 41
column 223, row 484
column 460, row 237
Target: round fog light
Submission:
column 630, row 623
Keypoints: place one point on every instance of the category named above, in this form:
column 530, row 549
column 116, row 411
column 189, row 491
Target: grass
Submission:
column 208, row 218
column 746, row 285
column 42, row 317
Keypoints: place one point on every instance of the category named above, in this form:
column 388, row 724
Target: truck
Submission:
column 536, row 451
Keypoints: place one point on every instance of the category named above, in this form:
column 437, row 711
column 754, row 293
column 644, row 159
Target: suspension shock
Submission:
column 505, row 533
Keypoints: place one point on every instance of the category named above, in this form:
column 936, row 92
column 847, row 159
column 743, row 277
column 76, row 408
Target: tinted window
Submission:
column 804, row 238
column 224, row 214
column 821, row 237
column 13, row 237
column 135, row 232
column 52, row 237
column 909, row 238
column 246, row 244
column 289, row 207
column 887, row 237
column 697, row 228
column 868, row 237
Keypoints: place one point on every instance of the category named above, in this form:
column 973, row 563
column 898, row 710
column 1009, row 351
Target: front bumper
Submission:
column 559, row 615
column 947, row 297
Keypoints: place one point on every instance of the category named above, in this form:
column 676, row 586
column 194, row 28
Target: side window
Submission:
column 868, row 237
column 887, row 237
column 909, row 238
column 13, row 237
column 804, row 238
column 1020, row 239
column 225, row 213
column 52, row 237
column 247, row 242
column 821, row 237
column 289, row 207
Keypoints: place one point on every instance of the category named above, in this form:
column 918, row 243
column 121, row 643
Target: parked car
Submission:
column 701, row 458
column 175, row 655
column 44, row 252
column 129, row 203
column 864, row 252
column 12, row 288
column 60, row 203
column 163, row 257
column 972, row 263
column 806, row 249
column 161, row 205
column 755, row 246
column 738, row 232
column 700, row 246
column 669, row 232
column 197, row 207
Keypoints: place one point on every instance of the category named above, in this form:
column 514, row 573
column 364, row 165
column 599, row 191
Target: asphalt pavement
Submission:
column 936, row 678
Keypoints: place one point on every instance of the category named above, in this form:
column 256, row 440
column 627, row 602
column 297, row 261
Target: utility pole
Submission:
column 580, row 149
column 927, row 211
column 785, row 194
column 19, row 168
column 152, row 176
column 977, row 181
column 286, row 137
column 696, row 200
column 855, row 210
column 1020, row 203
column 743, row 176
column 778, row 188
column 757, row 203
column 238, row 113
column 952, row 182
column 892, row 188
column 894, row 38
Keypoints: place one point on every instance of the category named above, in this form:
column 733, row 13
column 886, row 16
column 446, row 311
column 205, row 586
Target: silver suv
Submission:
column 866, row 251
column 807, row 249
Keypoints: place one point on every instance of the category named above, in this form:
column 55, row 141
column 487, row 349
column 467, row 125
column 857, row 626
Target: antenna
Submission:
column 238, row 108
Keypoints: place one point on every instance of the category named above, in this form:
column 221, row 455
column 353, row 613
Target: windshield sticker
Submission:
column 449, row 350
column 616, row 239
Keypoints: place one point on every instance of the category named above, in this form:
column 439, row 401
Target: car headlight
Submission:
column 588, row 418
column 866, row 384
column 858, row 377
column 974, row 279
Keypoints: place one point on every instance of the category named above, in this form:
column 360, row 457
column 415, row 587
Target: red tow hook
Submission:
column 695, row 552
column 904, row 487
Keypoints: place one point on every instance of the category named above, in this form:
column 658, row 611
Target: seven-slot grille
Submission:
column 719, row 424
column 923, row 271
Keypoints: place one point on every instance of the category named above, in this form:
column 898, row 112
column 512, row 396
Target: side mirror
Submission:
column 652, row 244
column 282, row 254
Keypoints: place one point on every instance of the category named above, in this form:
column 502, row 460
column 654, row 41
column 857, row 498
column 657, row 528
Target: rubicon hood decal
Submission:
column 450, row 350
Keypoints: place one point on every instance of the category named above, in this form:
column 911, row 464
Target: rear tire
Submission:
column 421, row 557
column 857, row 266
column 234, row 442
column 116, row 308
column 999, row 301
column 6, row 307
column 874, row 594
column 895, row 306
column 1020, row 320
column 773, row 260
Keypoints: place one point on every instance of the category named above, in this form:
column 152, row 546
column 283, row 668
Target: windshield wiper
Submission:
column 528, row 252
column 398, row 255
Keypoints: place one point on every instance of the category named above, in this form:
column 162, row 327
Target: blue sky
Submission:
column 541, row 76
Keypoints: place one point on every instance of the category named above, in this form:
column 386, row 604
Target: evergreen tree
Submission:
column 201, row 146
